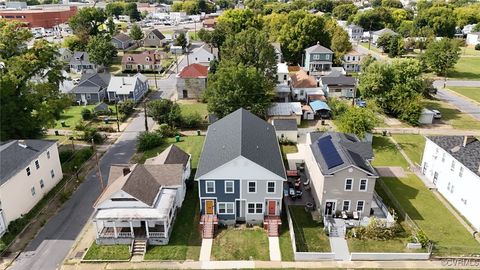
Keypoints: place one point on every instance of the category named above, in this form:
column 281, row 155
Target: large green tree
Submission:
column 358, row 121
column 29, row 83
column 136, row 33
column 164, row 111
column 131, row 10
column 342, row 12
column 373, row 19
column 101, row 50
column 440, row 19
column 442, row 55
column 86, row 22
column 235, row 86
column 391, row 44
column 115, row 9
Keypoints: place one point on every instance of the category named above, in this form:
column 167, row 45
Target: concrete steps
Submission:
column 139, row 247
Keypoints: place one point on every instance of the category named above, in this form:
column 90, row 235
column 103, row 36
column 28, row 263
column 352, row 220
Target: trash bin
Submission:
column 384, row 133
column 106, row 120
column 323, row 122
column 198, row 132
column 177, row 138
column 56, row 133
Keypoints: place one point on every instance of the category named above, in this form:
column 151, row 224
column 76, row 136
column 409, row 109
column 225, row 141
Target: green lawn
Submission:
column 71, row 116
column 190, row 144
column 309, row 234
column 393, row 245
column 108, row 252
column 190, row 108
column 470, row 92
column 372, row 47
column 241, row 244
column 386, row 154
column 413, row 145
column 467, row 68
column 449, row 236
column 284, row 239
column 469, row 51
column 185, row 241
column 452, row 116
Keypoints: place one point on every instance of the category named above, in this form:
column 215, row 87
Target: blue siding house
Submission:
column 318, row 60
column 241, row 171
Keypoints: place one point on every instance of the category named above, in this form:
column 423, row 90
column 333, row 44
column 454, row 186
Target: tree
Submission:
column 86, row 22
column 164, row 111
column 373, row 19
column 73, row 43
column 392, row 4
column 149, row 140
column 323, row 5
column 391, row 44
column 101, row 50
column 111, row 27
column 252, row 48
column 442, row 55
column 233, row 21
column 439, row 18
column 136, row 33
column 236, row 86
column 131, row 10
column 225, row 4
column 29, row 81
column 115, row 9
column 181, row 41
column 342, row 12
column 340, row 41
column 358, row 121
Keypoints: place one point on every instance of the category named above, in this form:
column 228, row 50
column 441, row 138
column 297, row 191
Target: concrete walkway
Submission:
column 274, row 248
column 206, row 250
column 339, row 246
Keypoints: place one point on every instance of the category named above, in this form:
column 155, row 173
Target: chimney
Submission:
column 468, row 139
column 126, row 171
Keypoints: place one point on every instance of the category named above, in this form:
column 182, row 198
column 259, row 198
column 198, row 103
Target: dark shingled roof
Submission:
column 468, row 155
column 122, row 37
column 172, row 155
column 14, row 157
column 157, row 33
column 92, row 83
column 285, row 124
column 241, row 134
column 352, row 151
column 338, row 80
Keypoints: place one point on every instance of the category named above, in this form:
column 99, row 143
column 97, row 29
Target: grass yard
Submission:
column 284, row 239
column 393, row 245
column 449, row 236
column 372, row 47
column 190, row 144
column 452, row 116
column 185, row 241
column 470, row 92
column 71, row 116
column 469, row 51
column 309, row 234
column 108, row 252
column 241, row 244
column 386, row 154
column 191, row 108
column 467, row 68
column 413, row 145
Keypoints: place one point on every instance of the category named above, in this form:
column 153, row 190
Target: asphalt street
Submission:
column 48, row 250
column 463, row 104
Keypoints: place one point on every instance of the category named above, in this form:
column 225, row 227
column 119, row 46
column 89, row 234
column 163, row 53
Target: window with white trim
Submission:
column 316, row 56
column 37, row 164
column 363, row 184
column 460, row 172
column 360, row 205
column 448, row 186
column 32, row 190
column 443, row 157
column 225, row 208
column 28, row 171
column 255, row 208
column 52, row 173
column 348, row 184
column 252, row 187
column 210, row 187
column 270, row 187
column 229, row 187
column 452, row 168
column 346, row 206
column 42, row 184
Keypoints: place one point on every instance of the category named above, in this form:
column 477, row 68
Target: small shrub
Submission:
column 87, row 114
column 149, row 140
column 477, row 47
column 80, row 125
column 192, row 120
column 92, row 133
column 338, row 107
column 105, row 128
column 126, row 107
column 166, row 131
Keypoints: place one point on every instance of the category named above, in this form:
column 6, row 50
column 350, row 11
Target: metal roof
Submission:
column 319, row 105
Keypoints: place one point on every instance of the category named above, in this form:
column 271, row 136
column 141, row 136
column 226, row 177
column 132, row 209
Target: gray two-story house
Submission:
column 241, row 172
column 318, row 60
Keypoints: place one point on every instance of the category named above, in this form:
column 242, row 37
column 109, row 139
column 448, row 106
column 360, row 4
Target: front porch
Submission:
column 320, row 68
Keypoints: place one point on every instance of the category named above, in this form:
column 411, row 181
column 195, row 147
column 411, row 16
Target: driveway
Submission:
column 463, row 104
column 48, row 250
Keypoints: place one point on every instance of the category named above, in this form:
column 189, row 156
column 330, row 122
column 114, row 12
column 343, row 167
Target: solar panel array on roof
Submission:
column 329, row 152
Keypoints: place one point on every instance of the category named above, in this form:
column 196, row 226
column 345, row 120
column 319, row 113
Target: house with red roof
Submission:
column 191, row 81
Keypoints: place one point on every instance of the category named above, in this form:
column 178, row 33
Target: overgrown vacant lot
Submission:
column 448, row 235
column 452, row 116
column 470, row 92
column 194, row 107
column 241, row 244
column 467, row 68
column 386, row 154
column 413, row 145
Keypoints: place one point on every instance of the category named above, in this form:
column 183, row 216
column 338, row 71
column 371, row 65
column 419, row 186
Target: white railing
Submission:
column 157, row 234
column 124, row 235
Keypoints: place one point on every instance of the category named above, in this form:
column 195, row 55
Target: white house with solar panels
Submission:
column 342, row 177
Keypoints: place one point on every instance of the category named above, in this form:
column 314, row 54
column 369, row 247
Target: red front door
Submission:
column 272, row 206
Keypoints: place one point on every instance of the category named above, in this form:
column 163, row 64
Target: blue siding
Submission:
column 219, row 195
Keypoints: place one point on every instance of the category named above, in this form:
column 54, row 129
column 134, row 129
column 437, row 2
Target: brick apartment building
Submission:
column 46, row 18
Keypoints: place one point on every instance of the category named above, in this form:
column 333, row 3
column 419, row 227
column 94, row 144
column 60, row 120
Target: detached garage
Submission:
column 286, row 129
column 426, row 117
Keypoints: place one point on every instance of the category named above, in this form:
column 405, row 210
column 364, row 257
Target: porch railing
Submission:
column 157, row 234
column 124, row 235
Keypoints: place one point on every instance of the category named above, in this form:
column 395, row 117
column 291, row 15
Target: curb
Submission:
column 463, row 96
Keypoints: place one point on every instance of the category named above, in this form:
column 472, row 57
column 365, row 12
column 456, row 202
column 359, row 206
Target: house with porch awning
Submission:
column 141, row 200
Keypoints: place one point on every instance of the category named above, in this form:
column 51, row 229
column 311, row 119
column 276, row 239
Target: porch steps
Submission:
column 139, row 247
column 272, row 225
column 208, row 225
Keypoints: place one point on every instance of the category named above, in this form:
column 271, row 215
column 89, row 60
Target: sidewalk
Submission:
column 206, row 249
column 339, row 246
column 274, row 249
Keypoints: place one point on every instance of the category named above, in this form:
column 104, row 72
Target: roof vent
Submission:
column 455, row 149
column 22, row 143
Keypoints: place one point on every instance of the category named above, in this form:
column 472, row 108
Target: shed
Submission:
column 287, row 110
column 426, row 117
column 286, row 129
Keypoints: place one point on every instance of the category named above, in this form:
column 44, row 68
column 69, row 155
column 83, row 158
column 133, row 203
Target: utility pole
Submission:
column 98, row 167
column 176, row 61
column 145, row 112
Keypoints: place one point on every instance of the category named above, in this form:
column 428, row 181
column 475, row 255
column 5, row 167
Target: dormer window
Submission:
column 129, row 58
column 147, row 59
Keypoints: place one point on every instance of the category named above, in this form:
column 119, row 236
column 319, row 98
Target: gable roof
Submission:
column 351, row 152
column 301, row 79
column 143, row 58
column 15, row 155
column 384, row 31
column 468, row 155
column 92, row 82
column 285, row 109
column 318, row 49
column 122, row 37
column 285, row 124
column 172, row 155
column 201, row 50
column 241, row 134
column 125, row 85
column 156, row 32
column 79, row 58
column 339, row 80
column 194, row 71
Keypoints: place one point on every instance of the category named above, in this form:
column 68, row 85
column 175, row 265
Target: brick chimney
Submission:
column 468, row 139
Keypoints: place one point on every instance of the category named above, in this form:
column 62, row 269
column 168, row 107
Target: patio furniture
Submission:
column 285, row 192
column 292, row 173
column 291, row 192
column 344, row 215
column 298, row 194
column 355, row 215
column 297, row 183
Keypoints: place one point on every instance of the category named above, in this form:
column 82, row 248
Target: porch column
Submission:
column 131, row 229
column 146, row 228
column 115, row 230
column 96, row 229
column 165, row 227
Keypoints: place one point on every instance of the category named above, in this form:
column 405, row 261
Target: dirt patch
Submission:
column 391, row 172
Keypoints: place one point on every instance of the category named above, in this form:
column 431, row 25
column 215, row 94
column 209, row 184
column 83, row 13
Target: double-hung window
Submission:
column 37, row 164
column 28, row 171
column 210, row 187
column 42, row 184
column 229, row 187
column 360, row 205
column 346, row 206
column 225, row 208
column 52, row 173
column 32, row 190
column 363, row 184
column 255, row 208
column 270, row 187
column 348, row 184
column 252, row 187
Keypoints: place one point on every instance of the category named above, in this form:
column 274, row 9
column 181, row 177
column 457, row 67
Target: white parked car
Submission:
column 437, row 114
